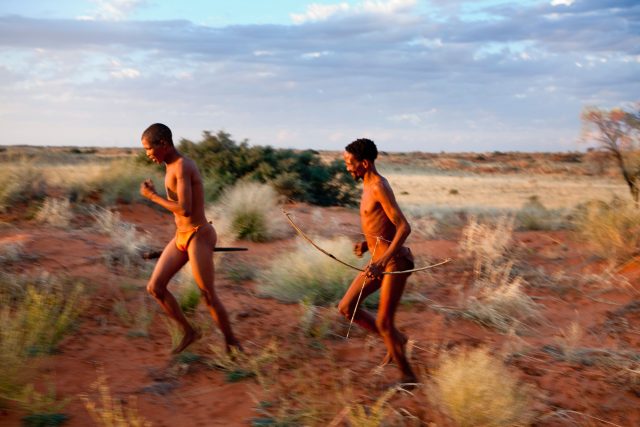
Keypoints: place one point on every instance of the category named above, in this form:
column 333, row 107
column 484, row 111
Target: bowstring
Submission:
column 364, row 282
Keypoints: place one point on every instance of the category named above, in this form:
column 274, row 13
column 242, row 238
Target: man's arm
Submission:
column 384, row 194
column 182, row 206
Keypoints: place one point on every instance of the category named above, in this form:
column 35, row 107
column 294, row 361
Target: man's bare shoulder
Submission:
column 380, row 185
column 185, row 166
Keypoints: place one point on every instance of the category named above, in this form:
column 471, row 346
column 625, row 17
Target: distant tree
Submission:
column 617, row 131
column 296, row 174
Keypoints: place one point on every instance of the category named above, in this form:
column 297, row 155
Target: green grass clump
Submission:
column 476, row 389
column 305, row 274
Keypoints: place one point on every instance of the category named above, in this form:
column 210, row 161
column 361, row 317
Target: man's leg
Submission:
column 390, row 294
column 201, row 258
column 170, row 262
column 347, row 305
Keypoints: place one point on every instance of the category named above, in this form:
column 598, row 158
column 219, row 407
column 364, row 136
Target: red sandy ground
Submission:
column 199, row 396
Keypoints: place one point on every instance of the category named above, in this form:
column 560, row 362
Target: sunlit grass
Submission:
column 475, row 389
column 306, row 274
column 110, row 411
column 250, row 211
column 33, row 322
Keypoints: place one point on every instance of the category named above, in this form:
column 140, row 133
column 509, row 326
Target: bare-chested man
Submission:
column 385, row 229
column 195, row 238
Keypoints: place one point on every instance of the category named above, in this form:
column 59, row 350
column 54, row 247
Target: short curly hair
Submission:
column 362, row 149
column 157, row 133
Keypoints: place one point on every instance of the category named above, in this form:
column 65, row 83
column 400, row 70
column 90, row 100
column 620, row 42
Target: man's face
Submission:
column 154, row 153
column 355, row 167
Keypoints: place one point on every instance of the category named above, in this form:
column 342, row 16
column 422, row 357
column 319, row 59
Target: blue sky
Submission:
column 439, row 75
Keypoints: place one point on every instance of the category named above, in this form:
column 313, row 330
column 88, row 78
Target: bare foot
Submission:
column 388, row 358
column 187, row 339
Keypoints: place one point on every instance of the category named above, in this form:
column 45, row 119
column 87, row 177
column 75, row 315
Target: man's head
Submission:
column 157, row 141
column 359, row 157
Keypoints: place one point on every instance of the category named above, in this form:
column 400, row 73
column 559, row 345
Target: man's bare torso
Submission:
column 375, row 222
column 189, row 171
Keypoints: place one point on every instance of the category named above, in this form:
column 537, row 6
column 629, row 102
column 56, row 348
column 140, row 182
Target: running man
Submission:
column 385, row 229
column 195, row 238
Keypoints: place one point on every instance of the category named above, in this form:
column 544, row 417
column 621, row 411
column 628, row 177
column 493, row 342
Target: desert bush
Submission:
column 250, row 211
column 20, row 183
column 299, row 175
column 55, row 212
column 306, row 274
column 476, row 389
column 611, row 230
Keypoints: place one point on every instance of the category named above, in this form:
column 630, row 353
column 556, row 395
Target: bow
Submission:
column 330, row 255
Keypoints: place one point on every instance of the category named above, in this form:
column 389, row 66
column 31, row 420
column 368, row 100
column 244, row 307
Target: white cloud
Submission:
column 126, row 73
column 413, row 118
column 314, row 55
column 322, row 12
column 319, row 12
column 562, row 2
column 113, row 10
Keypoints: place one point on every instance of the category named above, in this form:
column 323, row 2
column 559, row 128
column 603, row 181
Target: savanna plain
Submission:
column 533, row 321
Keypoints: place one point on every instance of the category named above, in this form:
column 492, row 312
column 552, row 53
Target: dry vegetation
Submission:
column 533, row 323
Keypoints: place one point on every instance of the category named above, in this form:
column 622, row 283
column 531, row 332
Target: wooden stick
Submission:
column 156, row 254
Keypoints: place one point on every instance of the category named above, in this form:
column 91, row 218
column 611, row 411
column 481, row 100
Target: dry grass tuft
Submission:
column 55, row 212
column 306, row 274
column 33, row 322
column 240, row 365
column 486, row 244
column 611, row 230
column 496, row 298
column 127, row 244
column 476, row 389
column 250, row 211
column 20, row 183
column 109, row 411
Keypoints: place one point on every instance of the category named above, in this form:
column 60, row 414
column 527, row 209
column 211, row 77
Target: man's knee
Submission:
column 156, row 290
column 384, row 325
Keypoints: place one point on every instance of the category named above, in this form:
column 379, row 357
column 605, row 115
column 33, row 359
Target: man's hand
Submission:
column 360, row 248
column 147, row 189
column 374, row 271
